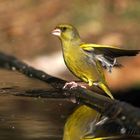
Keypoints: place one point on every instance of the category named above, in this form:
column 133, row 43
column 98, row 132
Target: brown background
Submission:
column 26, row 25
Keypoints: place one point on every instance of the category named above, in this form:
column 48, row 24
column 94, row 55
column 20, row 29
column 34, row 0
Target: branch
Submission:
column 112, row 109
column 12, row 63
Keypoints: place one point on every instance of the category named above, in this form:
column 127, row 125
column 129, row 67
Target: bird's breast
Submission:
column 81, row 65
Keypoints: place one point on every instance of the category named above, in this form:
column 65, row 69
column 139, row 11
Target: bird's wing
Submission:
column 107, row 54
column 110, row 51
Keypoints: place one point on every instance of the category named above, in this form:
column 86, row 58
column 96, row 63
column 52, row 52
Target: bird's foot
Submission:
column 72, row 85
column 96, row 83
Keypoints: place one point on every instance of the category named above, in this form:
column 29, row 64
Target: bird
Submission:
column 80, row 123
column 87, row 60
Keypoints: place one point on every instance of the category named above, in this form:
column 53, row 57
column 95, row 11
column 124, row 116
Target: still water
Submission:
column 32, row 118
column 27, row 118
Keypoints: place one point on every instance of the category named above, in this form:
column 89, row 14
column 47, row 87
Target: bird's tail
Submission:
column 105, row 89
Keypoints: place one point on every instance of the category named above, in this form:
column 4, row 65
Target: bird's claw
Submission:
column 72, row 85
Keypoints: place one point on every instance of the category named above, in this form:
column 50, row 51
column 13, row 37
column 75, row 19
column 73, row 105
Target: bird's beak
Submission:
column 56, row 32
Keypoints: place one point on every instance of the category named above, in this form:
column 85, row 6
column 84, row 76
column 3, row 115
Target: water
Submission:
column 28, row 117
column 32, row 118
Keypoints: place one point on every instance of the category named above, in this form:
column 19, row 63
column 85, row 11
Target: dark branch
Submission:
column 113, row 109
column 12, row 63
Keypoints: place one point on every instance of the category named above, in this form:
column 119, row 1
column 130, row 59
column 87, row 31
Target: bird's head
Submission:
column 66, row 32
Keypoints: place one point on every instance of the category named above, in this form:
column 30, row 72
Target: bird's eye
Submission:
column 63, row 29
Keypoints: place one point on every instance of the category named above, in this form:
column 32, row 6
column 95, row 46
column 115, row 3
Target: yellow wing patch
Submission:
column 90, row 47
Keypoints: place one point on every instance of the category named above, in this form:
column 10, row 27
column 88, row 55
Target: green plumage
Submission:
column 86, row 61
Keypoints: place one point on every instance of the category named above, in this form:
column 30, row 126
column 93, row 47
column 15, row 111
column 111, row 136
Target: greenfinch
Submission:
column 80, row 123
column 87, row 61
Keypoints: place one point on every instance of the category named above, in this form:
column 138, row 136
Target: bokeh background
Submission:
column 25, row 32
column 26, row 25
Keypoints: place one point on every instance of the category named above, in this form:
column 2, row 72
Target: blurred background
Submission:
column 26, row 25
column 25, row 32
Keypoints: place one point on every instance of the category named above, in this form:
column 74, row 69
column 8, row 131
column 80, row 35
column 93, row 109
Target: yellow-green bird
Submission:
column 86, row 61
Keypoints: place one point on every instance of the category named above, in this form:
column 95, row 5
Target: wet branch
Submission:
column 12, row 63
column 112, row 109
